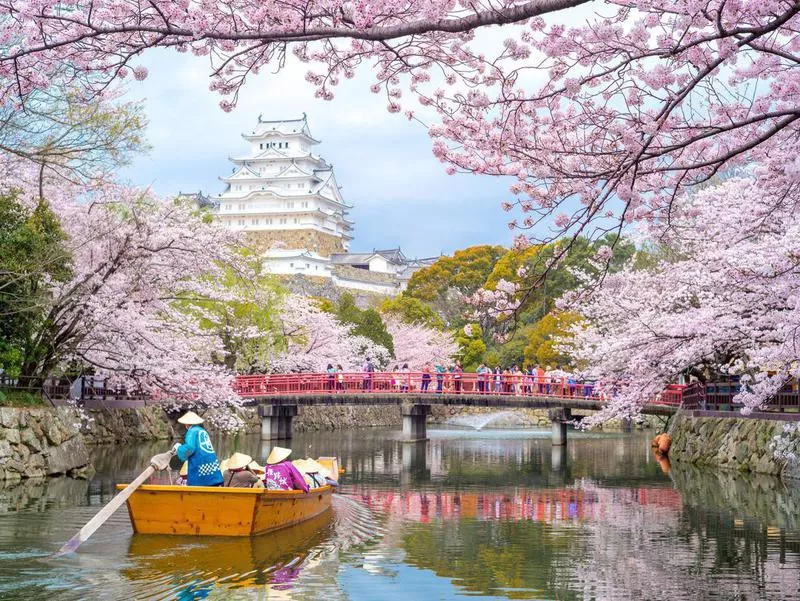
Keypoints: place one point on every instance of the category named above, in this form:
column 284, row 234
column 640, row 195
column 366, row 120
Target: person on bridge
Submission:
column 339, row 377
column 331, row 377
column 426, row 376
column 368, row 370
column 197, row 450
column 481, row 371
column 280, row 474
column 439, row 377
column 457, row 373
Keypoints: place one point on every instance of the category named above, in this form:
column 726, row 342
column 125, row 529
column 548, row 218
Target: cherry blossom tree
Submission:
column 601, row 118
column 135, row 260
column 315, row 338
column 416, row 344
column 728, row 299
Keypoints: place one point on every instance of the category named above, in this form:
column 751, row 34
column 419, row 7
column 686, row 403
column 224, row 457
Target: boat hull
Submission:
column 220, row 511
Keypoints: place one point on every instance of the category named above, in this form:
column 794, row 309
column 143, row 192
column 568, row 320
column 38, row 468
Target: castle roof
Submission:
column 281, row 127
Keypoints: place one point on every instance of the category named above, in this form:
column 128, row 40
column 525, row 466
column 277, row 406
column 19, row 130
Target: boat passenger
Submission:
column 239, row 475
column 281, row 474
column 197, row 450
column 181, row 480
column 313, row 473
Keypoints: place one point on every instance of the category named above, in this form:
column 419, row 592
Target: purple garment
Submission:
column 284, row 476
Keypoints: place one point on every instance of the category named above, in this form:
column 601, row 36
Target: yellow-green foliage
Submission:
column 543, row 338
column 411, row 310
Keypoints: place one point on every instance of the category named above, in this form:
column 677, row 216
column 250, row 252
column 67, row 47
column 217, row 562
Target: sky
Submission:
column 400, row 193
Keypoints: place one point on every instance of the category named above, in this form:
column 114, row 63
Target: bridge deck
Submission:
column 464, row 399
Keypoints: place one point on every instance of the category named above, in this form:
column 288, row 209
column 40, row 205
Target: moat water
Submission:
column 492, row 514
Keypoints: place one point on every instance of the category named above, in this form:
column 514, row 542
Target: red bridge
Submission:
column 279, row 396
column 487, row 390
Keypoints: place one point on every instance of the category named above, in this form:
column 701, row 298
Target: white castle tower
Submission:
column 286, row 198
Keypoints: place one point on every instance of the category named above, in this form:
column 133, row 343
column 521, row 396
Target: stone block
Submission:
column 67, row 456
column 22, row 451
column 28, row 438
column 11, row 435
column 5, row 449
column 54, row 434
column 9, row 417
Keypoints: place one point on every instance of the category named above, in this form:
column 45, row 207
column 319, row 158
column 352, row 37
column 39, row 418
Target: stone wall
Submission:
column 735, row 443
column 110, row 426
column 510, row 418
column 41, row 442
column 334, row 417
column 319, row 242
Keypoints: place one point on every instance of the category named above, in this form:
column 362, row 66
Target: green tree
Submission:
column 366, row 322
column 411, row 310
column 248, row 327
column 32, row 256
column 445, row 282
column 471, row 346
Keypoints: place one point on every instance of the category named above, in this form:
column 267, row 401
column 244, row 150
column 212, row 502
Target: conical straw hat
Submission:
column 239, row 461
column 190, row 418
column 254, row 467
column 277, row 455
column 314, row 467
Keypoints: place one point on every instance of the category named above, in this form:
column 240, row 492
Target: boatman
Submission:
column 198, row 451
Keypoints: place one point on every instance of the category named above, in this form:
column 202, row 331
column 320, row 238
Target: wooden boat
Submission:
column 167, row 558
column 220, row 511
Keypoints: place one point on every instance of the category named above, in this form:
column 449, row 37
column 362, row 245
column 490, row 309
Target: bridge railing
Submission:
column 427, row 383
column 718, row 396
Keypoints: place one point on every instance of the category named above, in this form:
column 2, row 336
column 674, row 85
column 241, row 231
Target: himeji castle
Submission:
column 287, row 201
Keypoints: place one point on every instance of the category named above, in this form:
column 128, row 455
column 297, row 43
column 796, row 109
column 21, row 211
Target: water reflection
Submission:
column 489, row 513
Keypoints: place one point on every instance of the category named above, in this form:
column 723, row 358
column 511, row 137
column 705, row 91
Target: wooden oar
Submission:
column 157, row 462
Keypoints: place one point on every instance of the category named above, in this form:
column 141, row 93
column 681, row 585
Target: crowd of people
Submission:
column 441, row 378
column 201, row 466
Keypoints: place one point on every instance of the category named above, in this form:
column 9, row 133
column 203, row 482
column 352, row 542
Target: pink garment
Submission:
column 284, row 476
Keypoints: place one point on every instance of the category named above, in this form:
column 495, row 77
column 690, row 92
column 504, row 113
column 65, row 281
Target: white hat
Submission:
column 190, row 418
column 239, row 461
column 253, row 466
column 277, row 455
column 312, row 466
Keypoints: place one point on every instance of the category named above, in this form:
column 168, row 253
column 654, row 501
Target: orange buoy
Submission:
column 664, row 443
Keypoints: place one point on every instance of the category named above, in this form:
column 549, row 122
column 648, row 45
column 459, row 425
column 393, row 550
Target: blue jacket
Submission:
column 199, row 452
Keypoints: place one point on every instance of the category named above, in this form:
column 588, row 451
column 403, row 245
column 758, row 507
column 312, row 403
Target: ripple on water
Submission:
column 487, row 514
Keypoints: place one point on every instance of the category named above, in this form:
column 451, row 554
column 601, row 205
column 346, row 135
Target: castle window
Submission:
column 291, row 265
column 254, row 221
column 296, row 220
column 241, row 222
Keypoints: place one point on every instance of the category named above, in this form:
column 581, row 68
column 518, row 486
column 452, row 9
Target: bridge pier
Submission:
column 560, row 416
column 415, row 417
column 414, row 467
column 276, row 421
